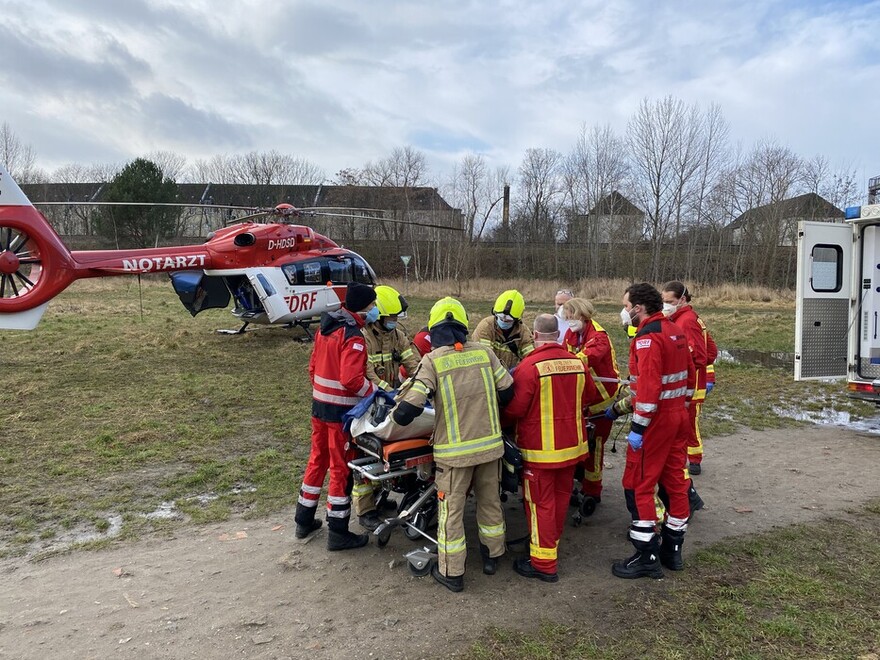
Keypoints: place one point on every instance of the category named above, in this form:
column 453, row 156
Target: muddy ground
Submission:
column 249, row 589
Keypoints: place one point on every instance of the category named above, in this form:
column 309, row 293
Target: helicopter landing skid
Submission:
column 240, row 331
column 305, row 326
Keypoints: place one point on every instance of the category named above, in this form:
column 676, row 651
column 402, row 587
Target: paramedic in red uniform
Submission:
column 337, row 369
column 676, row 306
column 662, row 379
column 551, row 389
column 589, row 341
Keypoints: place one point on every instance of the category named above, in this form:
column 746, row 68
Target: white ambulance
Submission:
column 837, row 322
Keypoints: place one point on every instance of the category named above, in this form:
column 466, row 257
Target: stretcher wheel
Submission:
column 576, row 520
column 383, row 536
column 419, row 521
column 419, row 572
column 587, row 507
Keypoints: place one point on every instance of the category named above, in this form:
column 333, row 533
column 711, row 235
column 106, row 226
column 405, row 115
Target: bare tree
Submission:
column 18, row 157
column 837, row 185
column 477, row 191
column 596, row 168
column 173, row 165
column 537, row 211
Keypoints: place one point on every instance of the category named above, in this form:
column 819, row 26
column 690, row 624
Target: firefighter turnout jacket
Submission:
column 551, row 389
column 338, row 366
column 509, row 346
column 463, row 381
column 594, row 347
column 662, row 374
column 387, row 351
column 697, row 337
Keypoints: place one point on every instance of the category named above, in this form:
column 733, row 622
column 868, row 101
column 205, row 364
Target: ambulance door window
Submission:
column 827, row 268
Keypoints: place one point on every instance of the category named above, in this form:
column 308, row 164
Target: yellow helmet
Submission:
column 511, row 303
column 447, row 309
column 390, row 302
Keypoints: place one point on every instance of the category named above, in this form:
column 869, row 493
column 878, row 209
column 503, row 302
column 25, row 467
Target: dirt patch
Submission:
column 247, row 589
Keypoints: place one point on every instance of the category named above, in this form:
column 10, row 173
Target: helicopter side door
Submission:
column 269, row 293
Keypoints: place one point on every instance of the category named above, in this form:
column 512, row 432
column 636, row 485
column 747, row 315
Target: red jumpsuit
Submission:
column 698, row 340
column 337, row 369
column 551, row 388
column 662, row 376
column 593, row 346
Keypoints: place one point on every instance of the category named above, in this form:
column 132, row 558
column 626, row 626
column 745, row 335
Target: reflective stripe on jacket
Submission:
column 462, row 384
column 387, row 351
column 661, row 370
column 551, row 388
column 688, row 320
column 509, row 348
column 594, row 347
column 338, row 366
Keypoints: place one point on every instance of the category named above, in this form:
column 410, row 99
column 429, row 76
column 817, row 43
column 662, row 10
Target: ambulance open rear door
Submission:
column 824, row 287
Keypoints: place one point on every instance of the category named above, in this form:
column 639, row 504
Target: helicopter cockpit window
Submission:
column 340, row 270
column 362, row 272
column 312, row 273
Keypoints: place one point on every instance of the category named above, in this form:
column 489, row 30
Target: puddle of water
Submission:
column 831, row 417
column 771, row 359
column 165, row 511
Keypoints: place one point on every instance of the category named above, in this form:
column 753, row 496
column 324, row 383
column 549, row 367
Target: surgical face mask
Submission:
column 372, row 316
column 576, row 325
column 669, row 308
column 625, row 318
column 390, row 325
column 504, row 325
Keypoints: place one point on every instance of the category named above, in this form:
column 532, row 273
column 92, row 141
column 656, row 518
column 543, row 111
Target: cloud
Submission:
column 341, row 83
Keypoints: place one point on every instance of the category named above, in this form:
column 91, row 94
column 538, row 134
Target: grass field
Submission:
column 114, row 409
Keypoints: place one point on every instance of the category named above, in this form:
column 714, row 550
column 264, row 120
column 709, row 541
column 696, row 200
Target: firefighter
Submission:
column 676, row 305
column 662, row 377
column 551, row 388
column 337, row 369
column 504, row 332
column 466, row 383
column 388, row 348
column 589, row 341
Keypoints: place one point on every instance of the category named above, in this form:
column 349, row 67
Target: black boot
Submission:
column 644, row 563
column 490, row 564
column 305, row 521
column 694, row 499
column 370, row 520
column 523, row 566
column 346, row 540
column 670, row 548
column 694, row 468
column 453, row 583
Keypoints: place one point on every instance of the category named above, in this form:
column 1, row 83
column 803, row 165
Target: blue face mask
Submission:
column 390, row 325
column 372, row 316
column 504, row 325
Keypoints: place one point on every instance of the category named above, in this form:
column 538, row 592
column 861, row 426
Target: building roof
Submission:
column 808, row 206
column 616, row 204
column 301, row 196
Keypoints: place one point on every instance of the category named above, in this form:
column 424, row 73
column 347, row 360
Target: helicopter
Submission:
column 276, row 272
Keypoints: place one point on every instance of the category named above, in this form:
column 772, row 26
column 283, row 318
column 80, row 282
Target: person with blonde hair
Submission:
column 589, row 341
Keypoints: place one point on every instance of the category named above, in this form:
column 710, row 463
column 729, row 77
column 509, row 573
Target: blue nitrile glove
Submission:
column 709, row 388
column 635, row 440
column 611, row 413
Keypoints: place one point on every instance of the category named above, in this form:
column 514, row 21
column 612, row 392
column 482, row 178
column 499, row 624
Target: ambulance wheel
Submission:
column 420, row 572
column 419, row 521
column 383, row 537
column 588, row 507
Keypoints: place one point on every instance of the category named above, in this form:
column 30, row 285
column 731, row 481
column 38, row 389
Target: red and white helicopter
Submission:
column 276, row 272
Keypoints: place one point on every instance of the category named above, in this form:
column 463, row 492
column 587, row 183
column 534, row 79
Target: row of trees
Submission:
column 653, row 201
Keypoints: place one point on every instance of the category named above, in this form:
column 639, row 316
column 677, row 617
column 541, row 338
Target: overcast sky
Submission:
column 341, row 83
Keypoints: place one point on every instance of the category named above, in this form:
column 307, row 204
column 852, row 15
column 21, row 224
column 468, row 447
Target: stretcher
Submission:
column 398, row 460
